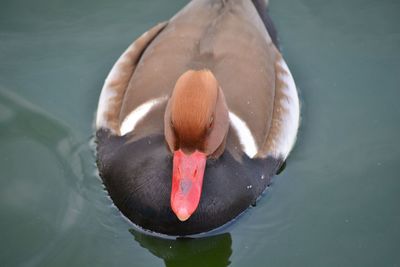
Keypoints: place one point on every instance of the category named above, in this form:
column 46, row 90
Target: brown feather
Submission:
column 192, row 107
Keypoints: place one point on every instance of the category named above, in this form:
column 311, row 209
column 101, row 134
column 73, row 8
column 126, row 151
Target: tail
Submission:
column 261, row 6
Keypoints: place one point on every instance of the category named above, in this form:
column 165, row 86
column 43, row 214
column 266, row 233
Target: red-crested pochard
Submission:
column 195, row 118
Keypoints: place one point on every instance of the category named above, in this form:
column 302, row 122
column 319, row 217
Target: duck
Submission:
column 196, row 117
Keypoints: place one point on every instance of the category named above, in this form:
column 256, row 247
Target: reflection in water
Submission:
column 204, row 251
column 29, row 128
column 26, row 119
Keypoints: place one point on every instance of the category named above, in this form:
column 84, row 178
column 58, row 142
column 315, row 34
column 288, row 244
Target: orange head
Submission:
column 196, row 124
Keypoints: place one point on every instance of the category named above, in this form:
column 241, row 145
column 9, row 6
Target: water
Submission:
column 335, row 204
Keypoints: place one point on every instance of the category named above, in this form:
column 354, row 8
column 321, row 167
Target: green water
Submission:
column 335, row 204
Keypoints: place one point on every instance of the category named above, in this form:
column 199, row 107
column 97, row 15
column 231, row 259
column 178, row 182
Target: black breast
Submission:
column 138, row 178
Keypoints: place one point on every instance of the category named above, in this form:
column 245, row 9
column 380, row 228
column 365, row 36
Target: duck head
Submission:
column 196, row 124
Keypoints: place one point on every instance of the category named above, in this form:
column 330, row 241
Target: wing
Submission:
column 227, row 37
column 286, row 115
column 116, row 83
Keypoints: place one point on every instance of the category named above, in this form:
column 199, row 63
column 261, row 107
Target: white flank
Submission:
column 130, row 121
column 244, row 134
column 291, row 115
column 108, row 92
column 106, row 96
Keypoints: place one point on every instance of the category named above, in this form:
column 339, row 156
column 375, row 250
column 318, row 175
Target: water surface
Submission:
column 335, row 204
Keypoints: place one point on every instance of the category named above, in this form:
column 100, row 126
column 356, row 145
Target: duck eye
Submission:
column 210, row 123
